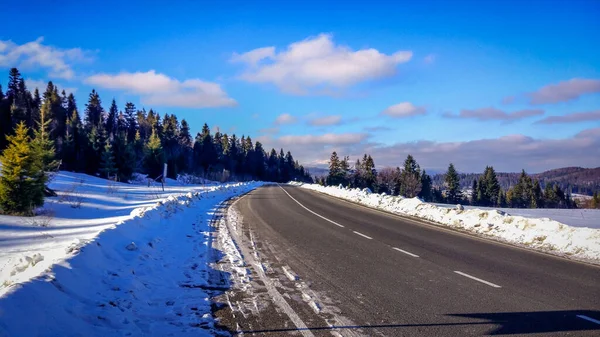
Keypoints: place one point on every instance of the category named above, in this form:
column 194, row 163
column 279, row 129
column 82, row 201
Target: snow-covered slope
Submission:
column 126, row 260
column 572, row 217
column 537, row 233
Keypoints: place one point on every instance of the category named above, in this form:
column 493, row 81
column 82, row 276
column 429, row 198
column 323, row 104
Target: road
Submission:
column 393, row 276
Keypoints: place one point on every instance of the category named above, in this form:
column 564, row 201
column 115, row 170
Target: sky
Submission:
column 513, row 84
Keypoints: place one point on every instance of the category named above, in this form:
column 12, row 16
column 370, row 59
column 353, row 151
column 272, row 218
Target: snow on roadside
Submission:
column 572, row 217
column 84, row 207
column 147, row 276
column 537, row 233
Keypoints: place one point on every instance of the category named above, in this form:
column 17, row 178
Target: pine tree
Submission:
column 335, row 175
column 21, row 181
column 107, row 161
column 501, row 198
column 131, row 117
column 41, row 145
column 5, row 121
column 410, row 178
column 111, row 119
column 426, row 186
column 370, row 173
column 154, row 157
column 452, row 181
column 93, row 111
column 474, row 193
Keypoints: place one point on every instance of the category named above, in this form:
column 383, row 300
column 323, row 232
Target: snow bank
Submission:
column 538, row 233
column 147, row 275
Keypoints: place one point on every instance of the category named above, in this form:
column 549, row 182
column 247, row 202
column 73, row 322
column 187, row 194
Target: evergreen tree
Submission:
column 474, row 193
column 42, row 146
column 501, row 198
column 21, row 181
column 154, row 158
column 107, row 161
column 93, row 111
column 426, row 185
column 410, row 178
column 336, row 174
column 5, row 120
column 370, row 173
column 111, row 120
column 131, row 117
column 452, row 181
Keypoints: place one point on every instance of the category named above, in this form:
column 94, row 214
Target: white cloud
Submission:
column 161, row 90
column 565, row 91
column 404, row 109
column 325, row 139
column 318, row 65
column 35, row 54
column 254, row 56
column 490, row 113
column 285, row 119
column 509, row 153
column 326, row 120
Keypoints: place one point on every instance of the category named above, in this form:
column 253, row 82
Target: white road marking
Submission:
column 405, row 252
column 589, row 319
column 320, row 216
column 478, row 279
column 361, row 234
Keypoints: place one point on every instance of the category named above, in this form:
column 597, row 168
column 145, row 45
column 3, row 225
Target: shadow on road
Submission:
column 504, row 323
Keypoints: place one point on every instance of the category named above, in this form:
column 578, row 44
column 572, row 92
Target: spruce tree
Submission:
column 107, row 161
column 41, row 143
column 426, row 186
column 335, row 170
column 474, row 193
column 452, row 181
column 154, row 156
column 410, row 178
column 21, row 181
column 111, row 119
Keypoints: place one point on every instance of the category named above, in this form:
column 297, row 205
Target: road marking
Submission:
column 320, row 216
column 405, row 252
column 589, row 319
column 478, row 279
column 361, row 234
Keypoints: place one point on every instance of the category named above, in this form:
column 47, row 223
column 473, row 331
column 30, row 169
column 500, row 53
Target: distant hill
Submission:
column 318, row 171
column 575, row 179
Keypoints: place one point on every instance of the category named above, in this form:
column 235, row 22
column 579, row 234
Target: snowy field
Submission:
column 572, row 217
column 538, row 232
column 111, row 259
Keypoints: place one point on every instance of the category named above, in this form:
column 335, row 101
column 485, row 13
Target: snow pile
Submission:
column 190, row 179
column 537, row 233
column 572, row 217
column 147, row 276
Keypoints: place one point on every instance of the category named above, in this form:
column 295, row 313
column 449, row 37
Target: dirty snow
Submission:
column 540, row 233
column 112, row 259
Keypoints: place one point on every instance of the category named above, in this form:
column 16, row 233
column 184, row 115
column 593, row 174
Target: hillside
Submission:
column 576, row 179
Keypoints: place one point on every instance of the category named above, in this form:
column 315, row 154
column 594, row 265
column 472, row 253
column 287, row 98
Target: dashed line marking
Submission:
column 477, row 279
column 361, row 234
column 405, row 252
column 589, row 319
column 320, row 216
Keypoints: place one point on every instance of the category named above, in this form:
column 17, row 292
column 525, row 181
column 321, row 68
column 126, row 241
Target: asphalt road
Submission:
column 394, row 276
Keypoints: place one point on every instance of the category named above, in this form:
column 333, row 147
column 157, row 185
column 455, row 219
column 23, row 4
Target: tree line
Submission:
column 42, row 132
column 411, row 181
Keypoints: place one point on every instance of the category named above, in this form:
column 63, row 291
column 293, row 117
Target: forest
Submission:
column 485, row 189
column 44, row 132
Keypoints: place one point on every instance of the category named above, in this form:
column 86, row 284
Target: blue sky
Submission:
column 462, row 81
